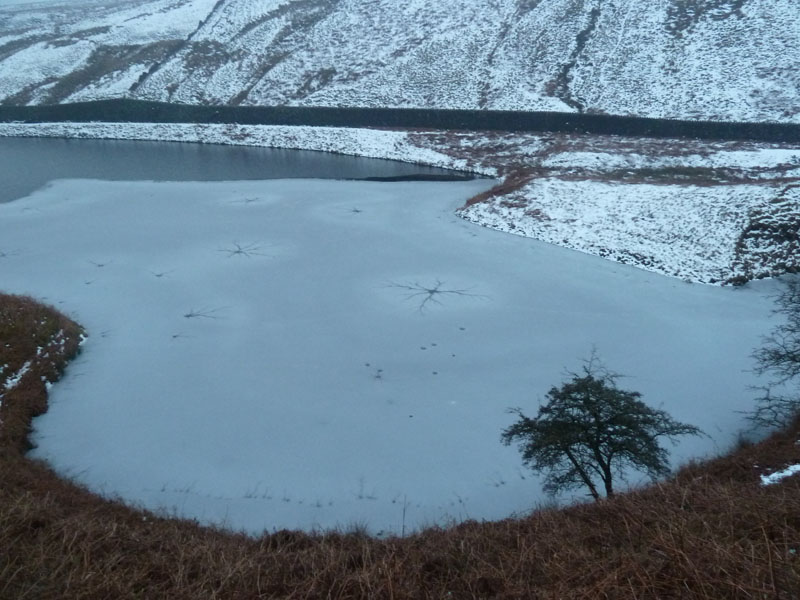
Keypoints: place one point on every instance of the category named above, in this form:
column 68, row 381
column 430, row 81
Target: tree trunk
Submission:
column 608, row 479
column 584, row 477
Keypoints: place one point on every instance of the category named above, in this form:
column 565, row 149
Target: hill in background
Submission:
column 705, row 59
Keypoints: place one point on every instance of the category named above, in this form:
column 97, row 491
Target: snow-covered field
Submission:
column 680, row 230
column 47, row 48
column 313, row 353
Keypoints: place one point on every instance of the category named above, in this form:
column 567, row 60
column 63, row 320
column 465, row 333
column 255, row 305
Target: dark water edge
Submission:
column 453, row 176
column 27, row 164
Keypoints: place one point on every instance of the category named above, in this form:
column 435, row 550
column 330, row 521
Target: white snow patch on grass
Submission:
column 780, row 475
column 13, row 380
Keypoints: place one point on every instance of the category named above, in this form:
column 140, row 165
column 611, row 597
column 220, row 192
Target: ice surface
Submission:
column 259, row 355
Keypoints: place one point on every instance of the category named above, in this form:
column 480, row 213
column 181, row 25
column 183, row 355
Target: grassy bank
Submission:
column 710, row 532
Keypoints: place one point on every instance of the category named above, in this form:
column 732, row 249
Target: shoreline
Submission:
column 705, row 212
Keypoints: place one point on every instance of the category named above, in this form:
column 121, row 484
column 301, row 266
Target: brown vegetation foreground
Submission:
column 711, row 532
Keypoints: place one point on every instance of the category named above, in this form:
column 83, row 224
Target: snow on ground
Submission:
column 10, row 380
column 780, row 475
column 756, row 159
column 26, row 68
column 59, row 51
column 307, row 353
column 722, row 60
column 620, row 221
column 13, row 380
column 151, row 21
column 762, row 158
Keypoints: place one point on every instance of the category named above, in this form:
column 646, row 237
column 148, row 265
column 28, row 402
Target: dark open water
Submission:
column 26, row 164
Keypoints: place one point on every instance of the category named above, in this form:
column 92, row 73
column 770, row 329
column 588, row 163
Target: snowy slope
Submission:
column 726, row 59
column 686, row 231
column 66, row 52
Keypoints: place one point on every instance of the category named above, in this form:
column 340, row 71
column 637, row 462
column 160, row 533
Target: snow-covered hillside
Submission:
column 714, row 59
column 67, row 52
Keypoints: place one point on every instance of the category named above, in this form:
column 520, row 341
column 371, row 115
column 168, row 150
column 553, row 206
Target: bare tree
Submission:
column 779, row 358
column 590, row 430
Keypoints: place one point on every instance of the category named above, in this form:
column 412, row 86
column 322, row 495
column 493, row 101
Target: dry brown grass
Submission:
column 711, row 532
column 32, row 332
column 513, row 182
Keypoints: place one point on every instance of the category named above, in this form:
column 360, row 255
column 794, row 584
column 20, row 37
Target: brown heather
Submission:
column 710, row 532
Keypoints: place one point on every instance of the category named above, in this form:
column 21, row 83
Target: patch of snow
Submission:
column 13, row 380
column 762, row 158
column 113, row 85
column 27, row 67
column 780, row 475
